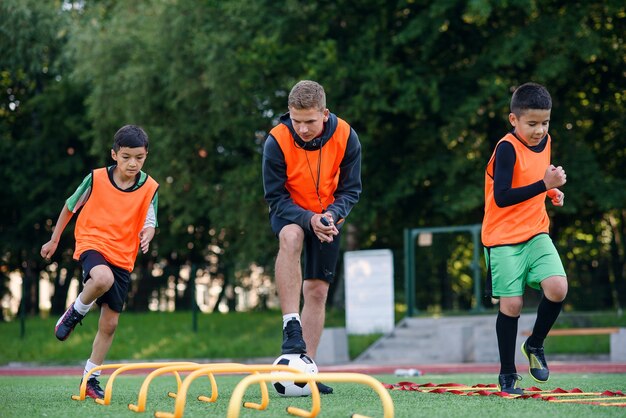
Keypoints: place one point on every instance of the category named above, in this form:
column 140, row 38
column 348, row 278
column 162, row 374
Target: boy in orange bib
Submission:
column 118, row 216
column 518, row 249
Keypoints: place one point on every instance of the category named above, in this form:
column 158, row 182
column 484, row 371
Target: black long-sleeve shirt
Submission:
column 504, row 162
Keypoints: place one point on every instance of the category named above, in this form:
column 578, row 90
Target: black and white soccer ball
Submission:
column 301, row 362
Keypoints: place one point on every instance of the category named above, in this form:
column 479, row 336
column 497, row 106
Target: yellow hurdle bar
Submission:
column 234, row 405
column 83, row 386
column 143, row 391
column 108, row 390
column 236, row 368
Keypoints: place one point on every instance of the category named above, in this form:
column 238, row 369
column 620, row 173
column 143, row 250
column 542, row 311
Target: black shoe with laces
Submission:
column 508, row 383
column 324, row 390
column 93, row 388
column 538, row 367
column 293, row 343
column 65, row 325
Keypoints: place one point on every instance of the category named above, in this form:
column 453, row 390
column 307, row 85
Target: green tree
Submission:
column 41, row 121
column 425, row 84
column 172, row 68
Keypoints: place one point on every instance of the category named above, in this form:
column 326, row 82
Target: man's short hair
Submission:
column 307, row 94
column 130, row 136
column 530, row 96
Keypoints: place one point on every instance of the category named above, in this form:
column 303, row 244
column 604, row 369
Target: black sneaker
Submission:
column 324, row 390
column 93, row 388
column 293, row 343
column 538, row 368
column 508, row 383
column 65, row 324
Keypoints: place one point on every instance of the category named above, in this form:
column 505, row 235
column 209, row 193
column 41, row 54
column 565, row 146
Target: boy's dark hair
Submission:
column 530, row 96
column 130, row 136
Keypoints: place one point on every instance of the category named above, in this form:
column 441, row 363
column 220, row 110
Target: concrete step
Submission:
column 442, row 321
column 413, row 332
column 406, row 344
column 456, row 339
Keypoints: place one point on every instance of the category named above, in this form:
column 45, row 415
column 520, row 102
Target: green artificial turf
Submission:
column 50, row 397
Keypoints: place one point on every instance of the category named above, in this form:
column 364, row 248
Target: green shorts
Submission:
column 512, row 267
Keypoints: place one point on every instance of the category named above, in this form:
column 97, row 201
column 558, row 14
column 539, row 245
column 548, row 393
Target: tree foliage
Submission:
column 425, row 84
column 41, row 124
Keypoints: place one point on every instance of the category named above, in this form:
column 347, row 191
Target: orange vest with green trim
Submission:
column 111, row 220
column 520, row 222
column 303, row 182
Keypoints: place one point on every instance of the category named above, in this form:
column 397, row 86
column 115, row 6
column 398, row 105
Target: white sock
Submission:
column 289, row 317
column 80, row 307
column 88, row 366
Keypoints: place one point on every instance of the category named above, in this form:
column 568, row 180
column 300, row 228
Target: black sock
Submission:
column 547, row 313
column 506, row 330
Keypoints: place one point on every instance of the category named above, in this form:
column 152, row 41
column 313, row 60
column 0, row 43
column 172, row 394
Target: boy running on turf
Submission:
column 118, row 216
column 518, row 249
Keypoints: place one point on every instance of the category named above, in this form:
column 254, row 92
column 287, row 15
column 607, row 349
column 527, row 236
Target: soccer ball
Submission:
column 301, row 362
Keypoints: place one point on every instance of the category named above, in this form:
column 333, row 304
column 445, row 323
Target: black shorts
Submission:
column 320, row 258
column 116, row 295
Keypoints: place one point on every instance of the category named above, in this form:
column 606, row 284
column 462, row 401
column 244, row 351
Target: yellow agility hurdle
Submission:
column 234, row 406
column 83, row 386
column 108, row 390
column 241, row 368
column 143, row 391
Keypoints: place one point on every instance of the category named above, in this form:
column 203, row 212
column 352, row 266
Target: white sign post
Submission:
column 369, row 291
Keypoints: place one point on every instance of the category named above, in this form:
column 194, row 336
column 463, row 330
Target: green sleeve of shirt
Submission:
column 155, row 200
column 80, row 194
column 155, row 206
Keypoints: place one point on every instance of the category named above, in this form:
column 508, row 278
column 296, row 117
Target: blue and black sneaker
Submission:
column 538, row 367
column 508, row 383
